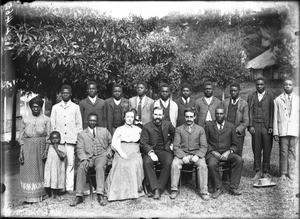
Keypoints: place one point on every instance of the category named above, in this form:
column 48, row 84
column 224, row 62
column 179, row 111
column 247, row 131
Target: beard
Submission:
column 157, row 120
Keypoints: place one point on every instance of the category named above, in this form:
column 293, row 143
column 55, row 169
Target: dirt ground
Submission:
column 272, row 202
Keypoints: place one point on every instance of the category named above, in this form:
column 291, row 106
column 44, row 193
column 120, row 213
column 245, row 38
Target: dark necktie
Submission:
column 140, row 108
column 94, row 135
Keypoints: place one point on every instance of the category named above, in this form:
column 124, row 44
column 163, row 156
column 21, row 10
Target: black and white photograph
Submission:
column 150, row 109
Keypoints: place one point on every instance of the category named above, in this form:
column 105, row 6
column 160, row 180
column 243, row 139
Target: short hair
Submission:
column 66, row 86
column 54, row 133
column 164, row 85
column 131, row 110
column 261, row 79
column 38, row 100
column 220, row 107
column 117, row 85
column 92, row 114
column 185, row 85
column 158, row 108
column 143, row 83
column 288, row 79
column 235, row 84
column 92, row 82
column 208, row 83
column 192, row 110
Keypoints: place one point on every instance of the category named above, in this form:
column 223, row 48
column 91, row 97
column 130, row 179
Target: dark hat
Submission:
column 36, row 100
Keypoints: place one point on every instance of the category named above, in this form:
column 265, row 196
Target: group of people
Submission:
column 139, row 133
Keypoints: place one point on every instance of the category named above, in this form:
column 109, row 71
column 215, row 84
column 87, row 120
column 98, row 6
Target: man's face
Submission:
column 92, row 121
column 189, row 118
column 260, row 86
column 92, row 90
column 208, row 90
column 165, row 93
column 141, row 90
column 234, row 93
column 220, row 115
column 158, row 116
column 66, row 95
column 117, row 93
column 55, row 138
column 36, row 109
column 185, row 93
column 288, row 86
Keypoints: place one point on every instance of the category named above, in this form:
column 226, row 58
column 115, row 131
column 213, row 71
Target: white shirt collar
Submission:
column 236, row 101
column 91, row 130
column 65, row 104
column 117, row 102
column 165, row 103
column 261, row 94
column 93, row 99
column 184, row 100
column 218, row 125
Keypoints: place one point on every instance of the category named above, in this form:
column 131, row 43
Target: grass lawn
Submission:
column 272, row 202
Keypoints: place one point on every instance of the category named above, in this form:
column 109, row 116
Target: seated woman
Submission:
column 126, row 175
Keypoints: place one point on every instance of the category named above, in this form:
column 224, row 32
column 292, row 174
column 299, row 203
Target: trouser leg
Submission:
column 283, row 155
column 267, row 148
column 80, row 180
column 202, row 175
column 236, row 170
column 240, row 146
column 70, row 166
column 150, row 174
column 214, row 171
column 100, row 166
column 175, row 173
column 166, row 159
column 257, row 145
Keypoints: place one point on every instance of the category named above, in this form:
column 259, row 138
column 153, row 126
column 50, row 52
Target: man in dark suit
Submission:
column 92, row 104
column 206, row 105
column 183, row 102
column 93, row 149
column 236, row 112
column 190, row 146
column 261, row 110
column 156, row 145
column 116, row 106
column 222, row 146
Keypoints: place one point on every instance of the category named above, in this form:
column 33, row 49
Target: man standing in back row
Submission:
column 286, row 128
column 66, row 119
column 142, row 104
column 261, row 109
column 206, row 105
column 93, row 104
column 236, row 112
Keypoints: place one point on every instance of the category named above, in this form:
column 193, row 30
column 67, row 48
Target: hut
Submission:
column 264, row 65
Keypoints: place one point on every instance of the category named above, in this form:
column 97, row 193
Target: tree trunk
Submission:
column 13, row 119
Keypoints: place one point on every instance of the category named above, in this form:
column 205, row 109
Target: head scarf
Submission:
column 39, row 101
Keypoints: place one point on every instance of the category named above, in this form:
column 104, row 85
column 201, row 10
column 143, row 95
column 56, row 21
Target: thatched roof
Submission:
column 262, row 61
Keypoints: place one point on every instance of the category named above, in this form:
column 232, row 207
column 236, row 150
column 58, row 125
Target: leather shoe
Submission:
column 217, row 193
column 157, row 194
column 235, row 192
column 205, row 197
column 78, row 200
column 102, row 200
column 174, row 194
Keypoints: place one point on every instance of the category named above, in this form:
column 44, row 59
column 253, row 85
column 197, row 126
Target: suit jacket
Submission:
column 267, row 106
column 85, row 142
column 86, row 107
column 202, row 109
column 173, row 110
column 220, row 140
column 186, row 143
column 285, row 124
column 181, row 107
column 149, row 136
column 242, row 116
column 109, row 105
column 147, row 108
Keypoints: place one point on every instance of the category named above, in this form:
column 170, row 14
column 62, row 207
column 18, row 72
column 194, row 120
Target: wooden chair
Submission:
column 91, row 177
column 224, row 168
column 188, row 168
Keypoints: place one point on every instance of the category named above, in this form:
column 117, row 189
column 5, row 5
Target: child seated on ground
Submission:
column 54, row 174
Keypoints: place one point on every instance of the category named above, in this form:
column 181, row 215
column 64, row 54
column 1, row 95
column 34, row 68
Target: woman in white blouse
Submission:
column 126, row 175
